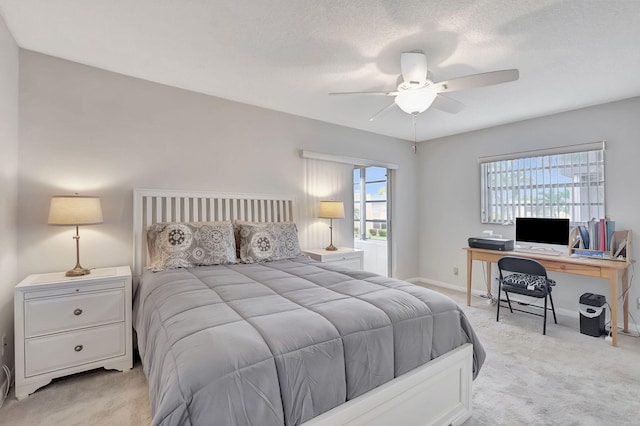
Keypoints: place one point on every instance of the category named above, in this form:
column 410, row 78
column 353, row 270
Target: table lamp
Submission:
column 75, row 210
column 331, row 210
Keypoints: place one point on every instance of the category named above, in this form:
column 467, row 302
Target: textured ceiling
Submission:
column 287, row 55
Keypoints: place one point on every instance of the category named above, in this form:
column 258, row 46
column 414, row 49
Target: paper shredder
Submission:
column 592, row 314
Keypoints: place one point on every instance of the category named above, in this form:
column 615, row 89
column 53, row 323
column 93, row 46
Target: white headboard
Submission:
column 167, row 205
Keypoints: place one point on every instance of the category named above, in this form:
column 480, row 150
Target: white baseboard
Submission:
column 481, row 293
column 420, row 280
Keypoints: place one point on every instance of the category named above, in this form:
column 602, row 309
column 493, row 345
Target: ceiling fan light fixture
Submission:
column 415, row 93
column 415, row 102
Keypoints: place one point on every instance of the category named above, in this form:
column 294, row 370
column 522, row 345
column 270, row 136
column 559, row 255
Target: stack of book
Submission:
column 597, row 234
column 599, row 239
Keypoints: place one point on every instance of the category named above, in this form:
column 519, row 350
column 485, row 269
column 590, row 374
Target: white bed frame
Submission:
column 437, row 393
column 166, row 205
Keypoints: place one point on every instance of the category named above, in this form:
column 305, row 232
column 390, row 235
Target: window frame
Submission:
column 363, row 202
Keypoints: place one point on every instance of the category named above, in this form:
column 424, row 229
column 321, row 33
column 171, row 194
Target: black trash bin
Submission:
column 592, row 314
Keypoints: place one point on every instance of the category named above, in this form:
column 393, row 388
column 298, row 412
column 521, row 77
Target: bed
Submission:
column 286, row 340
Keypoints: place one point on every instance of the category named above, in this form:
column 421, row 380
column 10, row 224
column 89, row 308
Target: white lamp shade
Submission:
column 331, row 210
column 75, row 210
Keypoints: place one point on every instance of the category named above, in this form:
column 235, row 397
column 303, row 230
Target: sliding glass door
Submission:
column 371, row 219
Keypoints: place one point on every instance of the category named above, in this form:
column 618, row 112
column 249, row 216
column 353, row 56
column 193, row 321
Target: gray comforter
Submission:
column 281, row 342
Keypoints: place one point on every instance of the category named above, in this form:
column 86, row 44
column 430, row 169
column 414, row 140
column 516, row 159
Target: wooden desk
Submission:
column 611, row 270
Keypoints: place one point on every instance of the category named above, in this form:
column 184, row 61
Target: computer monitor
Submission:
column 539, row 231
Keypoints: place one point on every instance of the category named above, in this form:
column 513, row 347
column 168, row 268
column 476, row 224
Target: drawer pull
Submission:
column 77, row 312
column 78, row 348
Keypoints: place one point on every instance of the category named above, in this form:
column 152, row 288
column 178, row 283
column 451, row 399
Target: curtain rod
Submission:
column 347, row 160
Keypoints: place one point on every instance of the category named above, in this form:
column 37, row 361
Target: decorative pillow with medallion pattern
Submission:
column 527, row 281
column 263, row 242
column 188, row 244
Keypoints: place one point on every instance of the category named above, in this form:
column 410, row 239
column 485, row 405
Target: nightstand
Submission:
column 347, row 257
column 65, row 325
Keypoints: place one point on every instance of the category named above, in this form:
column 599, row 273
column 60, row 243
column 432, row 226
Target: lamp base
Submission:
column 331, row 248
column 78, row 271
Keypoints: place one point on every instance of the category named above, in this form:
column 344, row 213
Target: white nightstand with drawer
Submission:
column 347, row 257
column 65, row 325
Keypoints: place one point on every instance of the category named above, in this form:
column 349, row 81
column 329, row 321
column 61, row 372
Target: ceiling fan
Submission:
column 415, row 93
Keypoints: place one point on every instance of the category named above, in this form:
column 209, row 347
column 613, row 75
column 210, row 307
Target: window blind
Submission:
column 569, row 184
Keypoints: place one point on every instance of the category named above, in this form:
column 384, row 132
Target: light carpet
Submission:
column 97, row 397
column 563, row 378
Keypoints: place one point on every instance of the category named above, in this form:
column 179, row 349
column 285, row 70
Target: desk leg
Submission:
column 488, row 264
column 613, row 301
column 625, row 299
column 469, row 263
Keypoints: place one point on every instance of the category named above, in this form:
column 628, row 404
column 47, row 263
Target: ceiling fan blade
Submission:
column 384, row 93
column 382, row 111
column 446, row 104
column 414, row 68
column 478, row 80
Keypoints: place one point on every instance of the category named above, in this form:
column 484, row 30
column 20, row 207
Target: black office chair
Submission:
column 526, row 277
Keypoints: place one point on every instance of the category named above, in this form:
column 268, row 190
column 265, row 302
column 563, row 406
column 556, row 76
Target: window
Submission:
column 564, row 185
column 370, row 203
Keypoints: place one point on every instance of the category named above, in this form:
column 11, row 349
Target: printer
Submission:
column 491, row 243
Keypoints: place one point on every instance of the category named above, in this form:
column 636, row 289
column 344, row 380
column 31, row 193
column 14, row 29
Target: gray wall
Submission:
column 95, row 132
column 8, row 186
column 449, row 181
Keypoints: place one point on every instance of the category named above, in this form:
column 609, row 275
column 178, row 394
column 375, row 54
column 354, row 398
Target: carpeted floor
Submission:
column 97, row 397
column 564, row 378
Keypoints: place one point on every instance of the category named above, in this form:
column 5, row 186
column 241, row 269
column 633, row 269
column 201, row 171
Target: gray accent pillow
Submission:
column 188, row 244
column 263, row 242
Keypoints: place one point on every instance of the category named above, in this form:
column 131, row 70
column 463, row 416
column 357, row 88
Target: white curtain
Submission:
column 325, row 180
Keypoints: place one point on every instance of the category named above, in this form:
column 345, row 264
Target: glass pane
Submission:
column 377, row 211
column 376, row 191
column 356, row 211
column 356, row 229
column 584, row 214
column 376, row 173
column 356, row 175
column 376, row 231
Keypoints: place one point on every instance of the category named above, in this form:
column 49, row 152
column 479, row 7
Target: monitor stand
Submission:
column 537, row 249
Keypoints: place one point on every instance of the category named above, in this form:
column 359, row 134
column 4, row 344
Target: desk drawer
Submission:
column 50, row 353
column 56, row 314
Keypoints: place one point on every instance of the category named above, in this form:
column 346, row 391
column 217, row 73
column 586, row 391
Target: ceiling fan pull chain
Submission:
column 415, row 137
